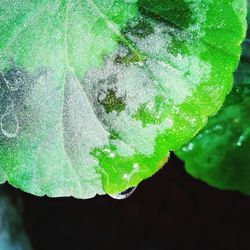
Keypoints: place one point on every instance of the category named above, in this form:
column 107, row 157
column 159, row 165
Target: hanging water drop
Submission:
column 123, row 195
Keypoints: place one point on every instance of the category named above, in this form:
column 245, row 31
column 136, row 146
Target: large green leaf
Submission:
column 95, row 93
column 219, row 154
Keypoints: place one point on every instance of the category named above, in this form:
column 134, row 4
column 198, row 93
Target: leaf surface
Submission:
column 219, row 154
column 95, row 93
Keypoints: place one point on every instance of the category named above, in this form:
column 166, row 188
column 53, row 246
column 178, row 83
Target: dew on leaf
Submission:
column 112, row 155
column 240, row 141
column 136, row 166
column 188, row 148
column 9, row 123
column 113, row 67
column 243, row 137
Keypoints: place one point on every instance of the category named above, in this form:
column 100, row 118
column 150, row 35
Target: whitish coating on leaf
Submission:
column 57, row 124
column 160, row 73
column 89, row 87
column 138, row 84
column 62, row 138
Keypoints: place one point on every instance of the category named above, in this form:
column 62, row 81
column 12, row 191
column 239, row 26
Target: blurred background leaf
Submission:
column 219, row 154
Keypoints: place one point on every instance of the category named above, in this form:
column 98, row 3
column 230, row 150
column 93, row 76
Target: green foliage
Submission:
column 219, row 154
column 94, row 94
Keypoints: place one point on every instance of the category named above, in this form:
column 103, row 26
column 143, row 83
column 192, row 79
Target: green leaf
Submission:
column 95, row 93
column 219, row 154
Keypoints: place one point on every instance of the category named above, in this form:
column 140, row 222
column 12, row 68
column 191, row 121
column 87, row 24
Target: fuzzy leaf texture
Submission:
column 95, row 93
column 219, row 155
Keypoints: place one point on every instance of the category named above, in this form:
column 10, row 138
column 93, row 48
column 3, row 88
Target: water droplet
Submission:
column 9, row 123
column 112, row 155
column 188, row 147
column 240, row 140
column 123, row 195
column 218, row 129
column 126, row 176
column 107, row 150
column 136, row 166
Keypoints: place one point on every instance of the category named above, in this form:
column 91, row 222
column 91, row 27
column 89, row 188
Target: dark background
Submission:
column 170, row 211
